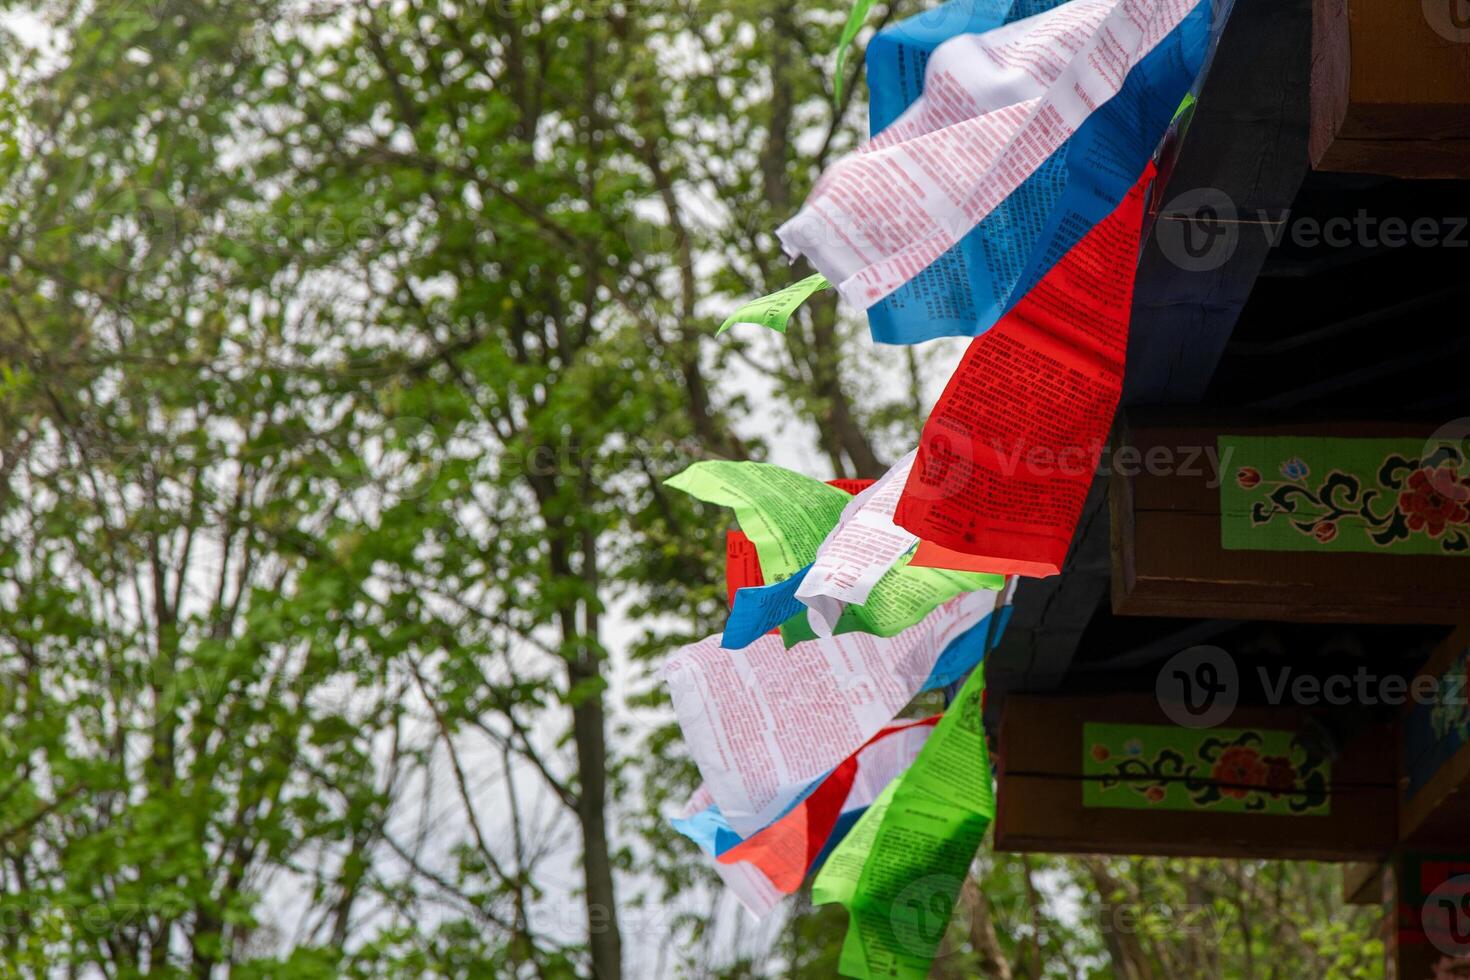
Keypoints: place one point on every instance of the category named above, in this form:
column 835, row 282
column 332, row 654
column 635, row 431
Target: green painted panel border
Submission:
column 1221, row 770
column 1327, row 494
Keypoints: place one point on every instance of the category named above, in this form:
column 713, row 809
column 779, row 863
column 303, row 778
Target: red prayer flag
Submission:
column 1008, row 454
column 853, row 487
column 742, row 565
column 786, row 850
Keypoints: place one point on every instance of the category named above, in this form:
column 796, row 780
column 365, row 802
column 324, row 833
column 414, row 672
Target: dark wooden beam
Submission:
column 1248, row 142
column 1239, row 171
column 1115, row 774
column 1243, row 539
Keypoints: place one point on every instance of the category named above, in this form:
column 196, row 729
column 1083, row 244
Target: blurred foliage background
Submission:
column 343, row 348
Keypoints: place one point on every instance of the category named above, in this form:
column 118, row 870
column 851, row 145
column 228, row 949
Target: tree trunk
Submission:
column 589, row 733
column 602, row 912
column 1129, row 960
column 983, row 939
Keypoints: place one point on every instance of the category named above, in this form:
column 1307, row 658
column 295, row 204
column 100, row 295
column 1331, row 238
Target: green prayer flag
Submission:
column 900, row 869
column 904, row 595
column 775, row 310
column 855, row 20
column 837, row 880
column 787, row 516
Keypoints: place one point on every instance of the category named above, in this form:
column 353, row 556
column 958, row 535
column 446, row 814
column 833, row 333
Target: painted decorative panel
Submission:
column 1221, row 770
column 1396, row 496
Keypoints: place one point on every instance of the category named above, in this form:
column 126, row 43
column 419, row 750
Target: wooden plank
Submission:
column 1434, row 762
column 1391, row 88
column 1043, row 776
column 1170, row 534
column 1331, row 74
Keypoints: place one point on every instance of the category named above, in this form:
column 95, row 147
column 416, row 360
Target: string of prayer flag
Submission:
column 999, row 197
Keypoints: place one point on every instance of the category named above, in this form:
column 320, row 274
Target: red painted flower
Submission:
column 1434, row 498
column 1247, row 477
column 1155, row 794
column 1100, row 753
column 1325, row 531
column 1242, row 767
column 1280, row 774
